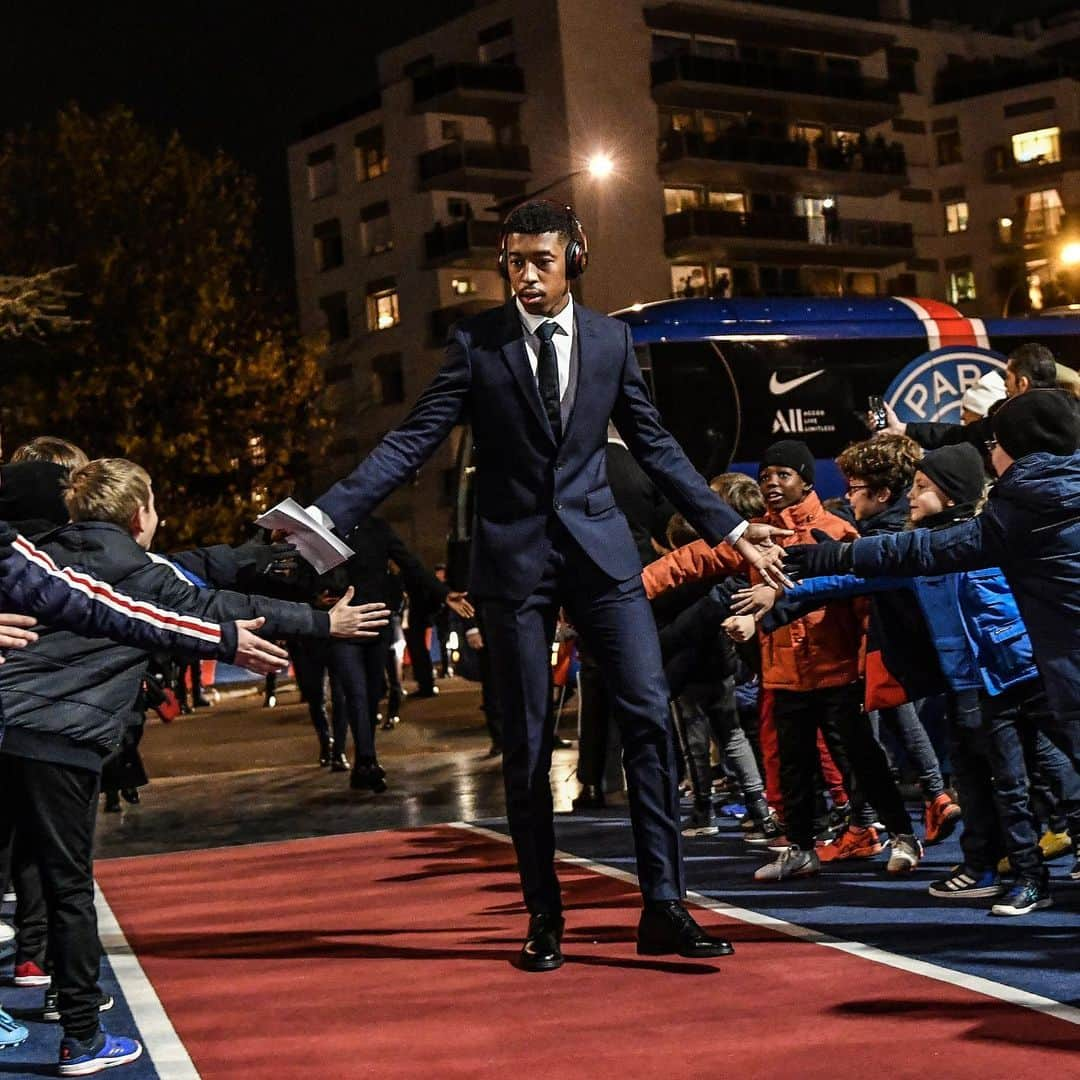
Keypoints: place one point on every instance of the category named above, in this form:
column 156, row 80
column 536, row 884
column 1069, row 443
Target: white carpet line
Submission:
column 161, row 1043
column 976, row 983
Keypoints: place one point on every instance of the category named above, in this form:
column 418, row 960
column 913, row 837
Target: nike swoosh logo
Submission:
column 777, row 387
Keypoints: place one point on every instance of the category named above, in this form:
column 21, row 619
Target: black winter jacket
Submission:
column 63, row 699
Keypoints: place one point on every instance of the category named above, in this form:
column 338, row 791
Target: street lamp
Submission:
column 600, row 166
column 1068, row 258
column 1070, row 254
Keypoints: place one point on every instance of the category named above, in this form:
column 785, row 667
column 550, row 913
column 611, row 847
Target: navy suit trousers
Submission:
column 617, row 627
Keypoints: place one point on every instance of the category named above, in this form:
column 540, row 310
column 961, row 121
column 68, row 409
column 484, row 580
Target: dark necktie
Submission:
column 547, row 376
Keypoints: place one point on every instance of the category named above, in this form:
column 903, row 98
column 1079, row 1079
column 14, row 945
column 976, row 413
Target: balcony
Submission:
column 490, row 90
column 468, row 244
column 971, row 78
column 785, row 238
column 466, row 166
column 782, row 164
column 834, row 97
column 1003, row 168
column 441, row 319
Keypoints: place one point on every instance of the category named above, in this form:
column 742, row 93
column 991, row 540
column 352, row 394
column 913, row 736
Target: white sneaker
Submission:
column 905, row 853
column 791, row 862
column 7, row 933
column 9, row 898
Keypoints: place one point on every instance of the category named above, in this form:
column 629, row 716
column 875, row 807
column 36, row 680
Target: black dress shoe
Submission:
column 112, row 802
column 666, row 927
column 542, row 949
column 326, row 753
column 591, row 798
column 130, row 794
column 368, row 778
column 339, row 763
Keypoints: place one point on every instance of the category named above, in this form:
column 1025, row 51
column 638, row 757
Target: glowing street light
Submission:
column 600, row 166
column 1070, row 254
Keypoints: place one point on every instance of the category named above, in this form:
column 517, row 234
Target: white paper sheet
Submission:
column 315, row 543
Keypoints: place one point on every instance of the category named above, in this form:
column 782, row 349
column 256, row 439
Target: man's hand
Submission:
column 263, row 556
column 15, row 632
column 740, row 627
column 895, row 425
column 361, row 621
column 458, row 602
column 757, row 547
column 255, row 654
column 473, row 638
column 754, row 601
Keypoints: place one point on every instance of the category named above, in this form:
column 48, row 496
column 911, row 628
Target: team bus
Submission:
column 732, row 376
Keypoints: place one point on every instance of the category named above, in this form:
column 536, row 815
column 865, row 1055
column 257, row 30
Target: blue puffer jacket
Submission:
column 981, row 641
column 1031, row 529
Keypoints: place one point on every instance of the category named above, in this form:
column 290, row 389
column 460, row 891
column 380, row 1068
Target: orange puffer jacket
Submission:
column 819, row 650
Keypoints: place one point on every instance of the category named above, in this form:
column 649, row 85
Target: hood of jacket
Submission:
column 893, row 519
column 1040, row 482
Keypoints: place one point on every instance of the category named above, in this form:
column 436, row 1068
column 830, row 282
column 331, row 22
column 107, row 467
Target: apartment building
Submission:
column 758, row 149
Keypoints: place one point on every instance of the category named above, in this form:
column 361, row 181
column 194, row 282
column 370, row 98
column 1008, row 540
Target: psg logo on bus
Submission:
column 931, row 387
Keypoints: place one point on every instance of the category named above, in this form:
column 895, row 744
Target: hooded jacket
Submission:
column 64, row 697
column 1031, row 529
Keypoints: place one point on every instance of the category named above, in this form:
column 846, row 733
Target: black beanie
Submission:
column 958, row 470
column 792, row 454
column 1040, row 421
column 33, row 491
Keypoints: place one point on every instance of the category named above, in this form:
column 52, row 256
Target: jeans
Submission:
column 356, row 684
column 1055, row 786
column 53, row 808
column 904, row 723
column 837, row 711
column 973, row 778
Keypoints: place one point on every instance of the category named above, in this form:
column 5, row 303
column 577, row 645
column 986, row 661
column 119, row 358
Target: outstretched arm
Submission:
column 968, row 545
column 406, row 448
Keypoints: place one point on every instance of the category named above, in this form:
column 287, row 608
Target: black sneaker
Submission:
column 701, row 822
column 768, row 832
column 1025, row 896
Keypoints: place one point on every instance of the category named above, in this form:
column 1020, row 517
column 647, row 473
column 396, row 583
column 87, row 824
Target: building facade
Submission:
column 758, row 149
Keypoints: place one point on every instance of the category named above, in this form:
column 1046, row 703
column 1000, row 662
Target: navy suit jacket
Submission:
column 523, row 476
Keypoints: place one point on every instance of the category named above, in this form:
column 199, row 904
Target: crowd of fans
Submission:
column 930, row 626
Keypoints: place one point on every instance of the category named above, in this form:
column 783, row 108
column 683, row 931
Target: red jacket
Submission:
column 819, row 650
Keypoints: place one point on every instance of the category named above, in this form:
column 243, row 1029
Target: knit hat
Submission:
column 33, row 491
column 1042, row 420
column 979, row 397
column 791, row 454
column 958, row 470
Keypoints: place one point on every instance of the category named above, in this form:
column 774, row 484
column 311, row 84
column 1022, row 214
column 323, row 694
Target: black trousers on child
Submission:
column 53, row 808
column 837, row 711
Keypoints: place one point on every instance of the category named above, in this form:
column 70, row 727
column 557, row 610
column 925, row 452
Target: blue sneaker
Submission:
column 1026, row 895
column 966, row 883
column 12, row 1033
column 733, row 809
column 103, row 1051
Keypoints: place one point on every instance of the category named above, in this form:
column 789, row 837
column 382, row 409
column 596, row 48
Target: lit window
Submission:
column 1043, row 213
column 462, row 286
column 372, row 159
column 322, row 173
column 676, row 120
column 678, row 199
column 807, row 133
column 1042, row 147
column 382, row 305
column 961, row 286
column 688, row 281
column 732, row 201
column 956, row 217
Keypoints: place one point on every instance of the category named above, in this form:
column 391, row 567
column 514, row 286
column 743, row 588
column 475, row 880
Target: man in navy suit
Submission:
column 538, row 379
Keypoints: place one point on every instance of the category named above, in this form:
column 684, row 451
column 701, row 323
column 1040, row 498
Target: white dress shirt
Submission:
column 563, row 339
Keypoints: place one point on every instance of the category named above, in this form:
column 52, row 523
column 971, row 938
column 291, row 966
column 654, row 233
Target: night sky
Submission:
column 236, row 74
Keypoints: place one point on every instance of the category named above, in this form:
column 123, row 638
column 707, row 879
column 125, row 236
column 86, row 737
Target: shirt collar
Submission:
column 564, row 320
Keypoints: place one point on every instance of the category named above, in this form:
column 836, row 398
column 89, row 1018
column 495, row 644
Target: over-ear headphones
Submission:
column 577, row 250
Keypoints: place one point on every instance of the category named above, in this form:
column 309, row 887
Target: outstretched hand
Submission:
column 458, row 602
column 15, row 632
column 740, row 627
column 827, row 556
column 359, row 621
column 758, row 547
column 757, row 599
column 255, row 654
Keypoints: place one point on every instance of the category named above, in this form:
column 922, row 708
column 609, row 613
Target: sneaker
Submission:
column 701, row 822
column 1055, row 844
column 9, row 897
column 942, row 817
column 838, row 820
column 853, row 843
column 791, row 862
column 733, row 810
column 7, row 933
column 966, row 883
column 906, row 851
column 1025, row 896
column 1074, row 873
column 12, row 1033
column 770, row 831
column 50, row 1011
column 103, row 1051
column 29, row 974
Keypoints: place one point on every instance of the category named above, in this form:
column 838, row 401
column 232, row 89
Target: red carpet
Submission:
column 388, row 955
